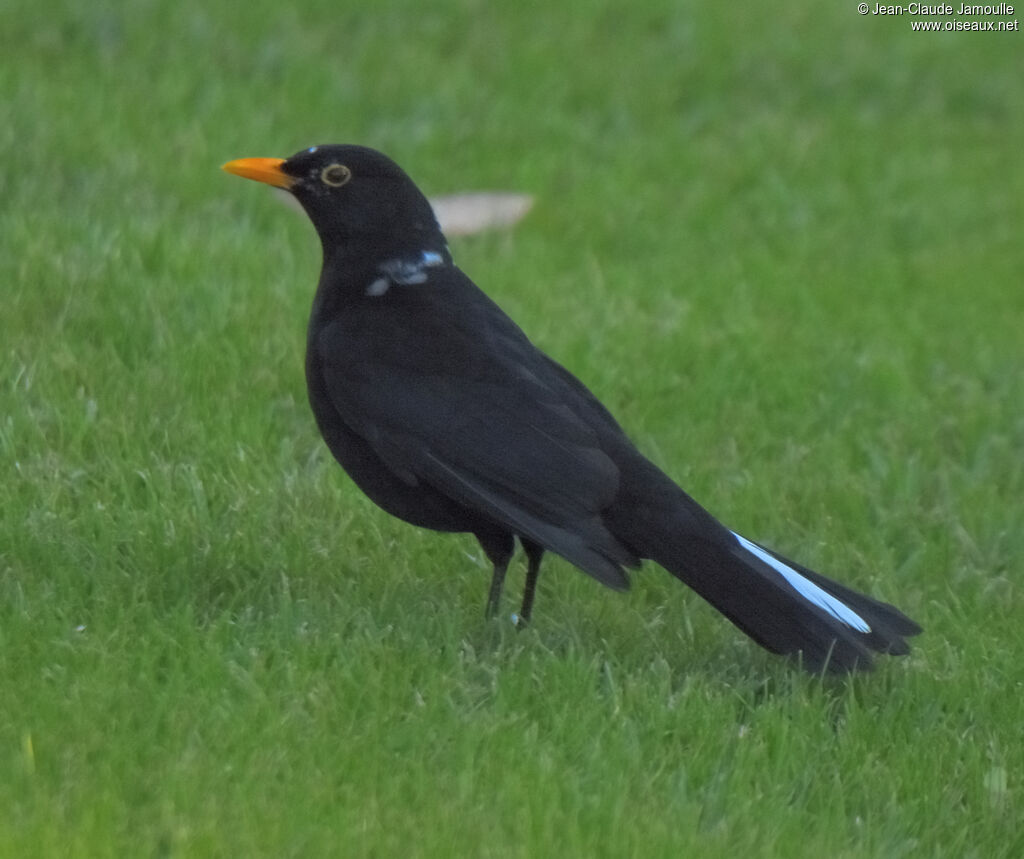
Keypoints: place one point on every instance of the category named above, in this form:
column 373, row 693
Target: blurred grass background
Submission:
column 783, row 244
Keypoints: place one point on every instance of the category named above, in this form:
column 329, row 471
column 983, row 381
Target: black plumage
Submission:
column 447, row 416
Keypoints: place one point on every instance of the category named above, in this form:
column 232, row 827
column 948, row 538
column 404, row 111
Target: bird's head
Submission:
column 355, row 197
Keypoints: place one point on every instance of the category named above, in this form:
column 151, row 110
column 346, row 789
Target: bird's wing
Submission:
column 461, row 402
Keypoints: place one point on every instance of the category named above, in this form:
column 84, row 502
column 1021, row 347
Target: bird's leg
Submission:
column 497, row 582
column 498, row 546
column 534, row 554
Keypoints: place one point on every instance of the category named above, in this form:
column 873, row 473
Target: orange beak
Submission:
column 262, row 170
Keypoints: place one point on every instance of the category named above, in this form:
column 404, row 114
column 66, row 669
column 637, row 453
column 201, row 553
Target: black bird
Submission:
column 447, row 416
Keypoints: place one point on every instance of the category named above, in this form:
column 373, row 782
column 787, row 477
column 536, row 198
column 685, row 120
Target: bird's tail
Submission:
column 783, row 606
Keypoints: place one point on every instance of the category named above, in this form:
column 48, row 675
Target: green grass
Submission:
column 783, row 245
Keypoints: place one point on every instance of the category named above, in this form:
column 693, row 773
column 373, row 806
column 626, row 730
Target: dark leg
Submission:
column 499, row 548
column 494, row 595
column 534, row 555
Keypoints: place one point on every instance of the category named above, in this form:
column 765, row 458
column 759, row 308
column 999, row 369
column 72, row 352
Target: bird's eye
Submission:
column 335, row 175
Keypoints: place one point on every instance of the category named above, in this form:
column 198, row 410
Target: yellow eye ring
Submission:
column 335, row 175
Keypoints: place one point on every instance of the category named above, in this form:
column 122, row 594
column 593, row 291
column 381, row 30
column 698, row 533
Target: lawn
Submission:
column 783, row 244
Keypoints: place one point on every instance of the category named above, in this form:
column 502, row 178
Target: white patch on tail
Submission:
column 807, row 589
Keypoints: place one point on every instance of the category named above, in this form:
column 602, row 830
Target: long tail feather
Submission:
column 783, row 606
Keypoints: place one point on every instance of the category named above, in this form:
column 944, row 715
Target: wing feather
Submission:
column 492, row 428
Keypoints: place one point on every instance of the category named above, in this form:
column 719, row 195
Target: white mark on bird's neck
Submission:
column 312, row 149
column 403, row 271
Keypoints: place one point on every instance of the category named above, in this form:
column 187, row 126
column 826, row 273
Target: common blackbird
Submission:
column 447, row 416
